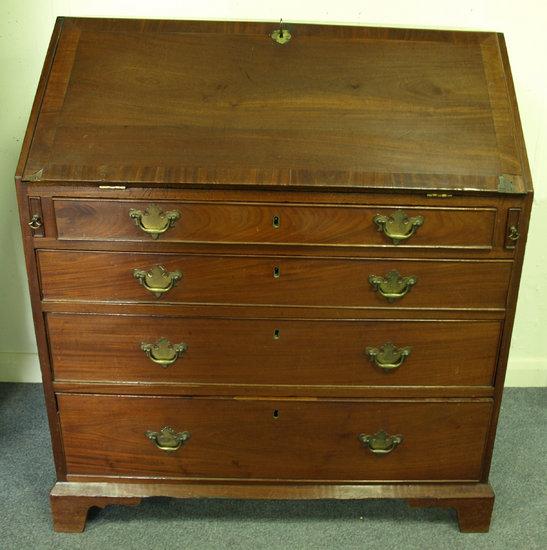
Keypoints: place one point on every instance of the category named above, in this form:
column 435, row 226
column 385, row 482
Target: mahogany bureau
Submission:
column 272, row 262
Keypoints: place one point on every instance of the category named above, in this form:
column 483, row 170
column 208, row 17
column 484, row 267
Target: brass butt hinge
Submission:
column 118, row 187
column 438, row 195
column 506, row 183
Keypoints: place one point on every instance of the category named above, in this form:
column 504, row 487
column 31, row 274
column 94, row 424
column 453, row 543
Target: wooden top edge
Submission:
column 324, row 30
column 520, row 190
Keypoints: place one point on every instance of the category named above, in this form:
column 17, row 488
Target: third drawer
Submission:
column 137, row 348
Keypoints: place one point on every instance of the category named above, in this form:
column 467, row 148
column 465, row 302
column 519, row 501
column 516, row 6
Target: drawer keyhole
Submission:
column 276, row 222
column 276, row 272
column 277, row 334
column 276, row 413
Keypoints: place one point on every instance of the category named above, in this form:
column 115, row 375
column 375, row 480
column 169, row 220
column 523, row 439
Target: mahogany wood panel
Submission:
column 296, row 224
column 101, row 276
column 71, row 500
column 220, row 117
column 70, row 513
column 273, row 439
column 271, row 352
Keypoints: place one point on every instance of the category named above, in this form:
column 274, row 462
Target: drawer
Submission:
column 204, row 279
column 273, row 439
column 272, row 352
column 298, row 224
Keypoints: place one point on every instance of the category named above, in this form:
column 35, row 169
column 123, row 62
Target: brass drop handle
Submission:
column 514, row 233
column 167, row 439
column 388, row 357
column 393, row 286
column 154, row 221
column 158, row 280
column 163, row 353
column 380, row 443
column 35, row 222
column 398, row 227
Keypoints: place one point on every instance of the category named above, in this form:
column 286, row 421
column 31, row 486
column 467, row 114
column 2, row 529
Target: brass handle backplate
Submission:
column 398, row 227
column 388, row 357
column 380, row 443
column 154, row 221
column 158, row 280
column 163, row 353
column 393, row 286
column 167, row 439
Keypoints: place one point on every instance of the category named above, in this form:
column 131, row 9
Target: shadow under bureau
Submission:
column 273, row 262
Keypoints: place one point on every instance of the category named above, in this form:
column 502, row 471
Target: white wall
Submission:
column 25, row 28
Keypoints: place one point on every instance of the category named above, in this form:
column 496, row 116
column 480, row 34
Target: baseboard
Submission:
column 20, row 367
column 523, row 373
column 24, row 367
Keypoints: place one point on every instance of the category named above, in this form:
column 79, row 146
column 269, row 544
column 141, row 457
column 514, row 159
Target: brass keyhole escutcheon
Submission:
column 281, row 35
column 276, row 414
column 276, row 222
column 276, row 272
column 277, row 334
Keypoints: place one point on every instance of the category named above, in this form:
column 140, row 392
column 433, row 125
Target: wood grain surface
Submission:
column 272, row 352
column 250, row 280
column 273, row 439
column 298, row 224
column 134, row 103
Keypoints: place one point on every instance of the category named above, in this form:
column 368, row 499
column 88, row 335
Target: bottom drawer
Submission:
column 274, row 439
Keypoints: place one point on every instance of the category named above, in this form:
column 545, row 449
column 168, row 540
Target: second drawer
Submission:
column 122, row 348
column 250, row 280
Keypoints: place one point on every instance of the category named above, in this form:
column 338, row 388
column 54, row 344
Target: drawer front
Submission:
column 109, row 276
column 267, row 439
column 273, row 223
column 272, row 352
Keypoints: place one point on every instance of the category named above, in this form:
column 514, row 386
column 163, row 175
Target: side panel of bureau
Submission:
column 274, row 439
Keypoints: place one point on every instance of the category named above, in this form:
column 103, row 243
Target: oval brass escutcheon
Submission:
column 388, row 357
column 154, row 221
column 167, row 439
column 380, row 443
column 158, row 280
column 398, row 227
column 163, row 353
column 393, row 286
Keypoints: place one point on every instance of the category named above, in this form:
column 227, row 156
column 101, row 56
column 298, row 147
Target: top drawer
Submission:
column 274, row 223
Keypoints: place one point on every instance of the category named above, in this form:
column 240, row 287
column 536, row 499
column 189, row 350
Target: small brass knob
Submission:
column 514, row 233
column 35, row 222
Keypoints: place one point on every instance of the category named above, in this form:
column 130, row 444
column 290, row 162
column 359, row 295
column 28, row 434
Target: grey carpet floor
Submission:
column 518, row 476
